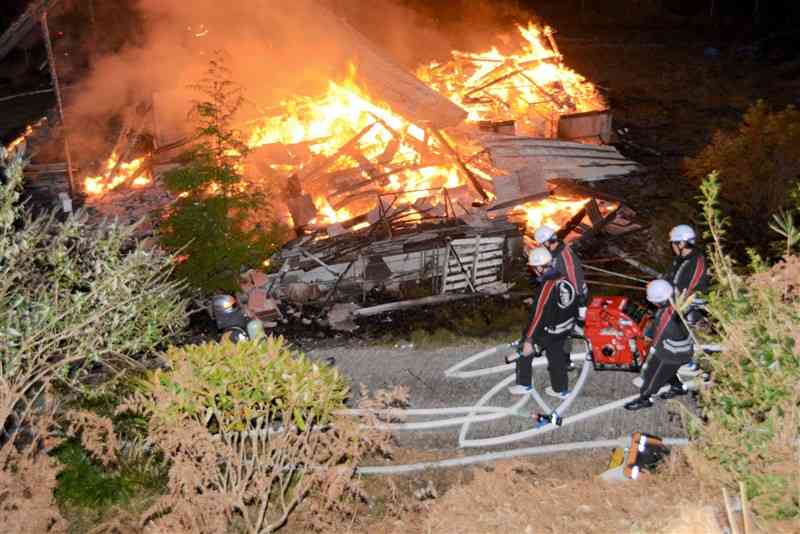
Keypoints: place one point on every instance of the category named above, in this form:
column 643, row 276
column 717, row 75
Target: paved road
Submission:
column 422, row 371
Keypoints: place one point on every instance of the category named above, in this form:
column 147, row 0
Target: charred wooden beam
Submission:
column 518, row 201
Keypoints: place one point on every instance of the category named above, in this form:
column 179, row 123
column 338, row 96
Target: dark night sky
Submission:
column 775, row 14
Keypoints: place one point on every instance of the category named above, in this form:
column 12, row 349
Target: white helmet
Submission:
column 223, row 304
column 539, row 257
column 543, row 234
column 659, row 291
column 682, row 232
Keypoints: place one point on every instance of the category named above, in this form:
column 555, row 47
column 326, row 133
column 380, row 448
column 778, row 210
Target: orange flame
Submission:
column 528, row 85
column 553, row 212
column 388, row 152
column 345, row 111
column 19, row 140
column 111, row 179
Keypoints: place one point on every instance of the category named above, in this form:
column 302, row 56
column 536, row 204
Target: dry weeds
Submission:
column 556, row 494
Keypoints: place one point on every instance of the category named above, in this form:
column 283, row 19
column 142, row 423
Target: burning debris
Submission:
column 391, row 180
column 527, row 84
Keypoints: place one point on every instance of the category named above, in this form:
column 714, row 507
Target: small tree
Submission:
column 758, row 166
column 218, row 222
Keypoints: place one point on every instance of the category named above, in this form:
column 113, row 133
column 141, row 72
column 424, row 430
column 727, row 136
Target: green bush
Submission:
column 758, row 165
column 250, row 431
column 219, row 222
column 86, row 483
column 231, row 385
column 76, row 299
column 752, row 410
column 80, row 303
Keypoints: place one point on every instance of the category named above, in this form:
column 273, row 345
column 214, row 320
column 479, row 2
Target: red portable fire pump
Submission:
column 614, row 329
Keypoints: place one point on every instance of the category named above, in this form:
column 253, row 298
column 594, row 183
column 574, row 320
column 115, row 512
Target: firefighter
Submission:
column 689, row 274
column 671, row 348
column 567, row 264
column 551, row 320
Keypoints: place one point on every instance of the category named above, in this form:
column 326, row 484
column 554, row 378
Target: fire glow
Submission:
column 530, row 85
column 116, row 175
column 346, row 132
column 19, row 140
column 344, row 113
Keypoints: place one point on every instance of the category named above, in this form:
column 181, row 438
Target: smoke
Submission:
column 275, row 48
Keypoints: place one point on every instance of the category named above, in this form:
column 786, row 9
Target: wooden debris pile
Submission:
column 524, row 81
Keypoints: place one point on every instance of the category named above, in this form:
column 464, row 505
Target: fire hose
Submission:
column 505, row 455
column 613, row 273
column 480, row 412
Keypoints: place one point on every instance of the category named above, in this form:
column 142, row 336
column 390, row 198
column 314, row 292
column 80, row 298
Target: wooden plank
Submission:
column 406, row 304
column 482, row 256
column 474, row 180
column 456, row 275
column 483, row 241
column 458, row 283
column 593, row 211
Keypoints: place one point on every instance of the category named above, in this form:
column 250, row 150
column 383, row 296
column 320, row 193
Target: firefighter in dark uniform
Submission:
column 688, row 276
column 672, row 346
column 689, row 273
column 566, row 264
column 552, row 318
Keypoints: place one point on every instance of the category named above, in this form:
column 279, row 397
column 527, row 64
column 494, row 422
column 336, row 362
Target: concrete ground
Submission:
column 422, row 371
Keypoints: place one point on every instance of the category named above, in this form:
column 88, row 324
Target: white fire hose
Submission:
column 505, row 455
column 481, row 412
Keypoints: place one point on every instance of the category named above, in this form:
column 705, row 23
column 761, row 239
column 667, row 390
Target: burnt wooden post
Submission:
column 51, row 60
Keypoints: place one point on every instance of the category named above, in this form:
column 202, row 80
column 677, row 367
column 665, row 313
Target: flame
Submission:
column 531, row 84
column 342, row 113
column 327, row 215
column 111, row 179
column 346, row 132
column 553, row 212
column 19, row 140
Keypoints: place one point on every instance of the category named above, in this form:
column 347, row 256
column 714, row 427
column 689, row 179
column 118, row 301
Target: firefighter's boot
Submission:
column 638, row 404
column 673, row 391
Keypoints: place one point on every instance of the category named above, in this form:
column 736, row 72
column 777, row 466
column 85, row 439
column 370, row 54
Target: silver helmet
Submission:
column 223, row 304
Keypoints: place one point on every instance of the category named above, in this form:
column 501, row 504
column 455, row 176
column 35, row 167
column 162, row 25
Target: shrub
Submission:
column 753, row 408
column 230, row 385
column 75, row 299
column 758, row 165
column 219, row 222
column 250, row 430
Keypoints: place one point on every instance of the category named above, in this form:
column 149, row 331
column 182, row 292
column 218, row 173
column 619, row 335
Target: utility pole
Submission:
column 51, row 59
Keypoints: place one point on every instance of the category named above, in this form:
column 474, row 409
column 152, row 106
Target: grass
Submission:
column 88, row 490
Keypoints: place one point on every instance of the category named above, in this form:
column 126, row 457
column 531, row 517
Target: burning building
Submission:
column 390, row 177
